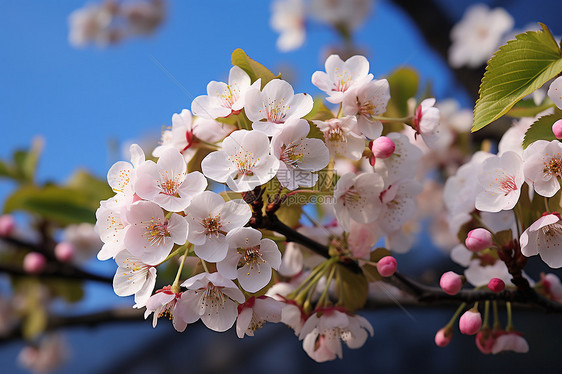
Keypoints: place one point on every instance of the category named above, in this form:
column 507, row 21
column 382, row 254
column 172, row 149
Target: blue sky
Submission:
column 81, row 100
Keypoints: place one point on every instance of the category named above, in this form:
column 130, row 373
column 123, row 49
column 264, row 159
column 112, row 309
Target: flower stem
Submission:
column 509, row 326
column 175, row 285
column 497, row 324
column 456, row 315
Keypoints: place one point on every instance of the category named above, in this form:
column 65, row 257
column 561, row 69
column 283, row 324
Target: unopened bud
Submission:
column 382, row 147
column 7, row 225
column 34, row 262
column 451, row 283
column 496, row 285
column 557, row 129
column 478, row 240
column 443, row 337
column 387, row 266
column 64, row 251
column 470, row 322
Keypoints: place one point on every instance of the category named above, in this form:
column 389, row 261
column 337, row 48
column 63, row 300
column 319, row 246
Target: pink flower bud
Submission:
column 496, row 285
column 34, row 262
column 557, row 129
column 382, row 147
column 451, row 283
column 443, row 337
column 478, row 240
column 387, row 266
column 470, row 322
column 64, row 251
column 7, row 225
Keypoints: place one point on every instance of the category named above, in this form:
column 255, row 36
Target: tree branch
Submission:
column 435, row 295
column 86, row 320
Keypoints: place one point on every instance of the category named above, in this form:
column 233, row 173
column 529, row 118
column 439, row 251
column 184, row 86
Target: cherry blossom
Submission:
column 340, row 137
column 341, row 76
column 323, row 331
column 477, row 36
column 167, row 182
column 164, row 303
column 224, row 99
column 398, row 204
column 186, row 133
column 347, row 13
column 542, row 166
column 211, row 298
column 270, row 108
column 367, row 101
column 299, row 156
column 403, row 163
column 461, row 189
column 110, row 226
column 501, row 178
column 121, row 176
column 84, row 240
column 150, row 235
column 510, row 341
column 47, row 356
column 555, row 92
column 288, row 18
column 249, row 259
column 426, row 122
column 544, row 237
column 134, row 277
column 210, row 219
column 253, row 314
column 91, row 24
column 357, row 198
column 244, row 162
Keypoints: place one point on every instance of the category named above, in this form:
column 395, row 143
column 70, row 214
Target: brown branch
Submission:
column 435, row 295
column 91, row 320
column 57, row 270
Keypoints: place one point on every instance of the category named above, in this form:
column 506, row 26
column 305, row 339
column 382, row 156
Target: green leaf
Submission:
column 25, row 162
column 70, row 290
column 403, row 84
column 319, row 112
column 254, row 69
column 528, row 108
column 516, row 70
column 62, row 205
column 92, row 187
column 353, row 288
column 541, row 129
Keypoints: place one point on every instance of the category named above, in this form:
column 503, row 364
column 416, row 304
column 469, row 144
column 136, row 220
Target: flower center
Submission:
column 343, row 80
column 276, row 111
column 229, row 96
column 508, row 185
column 290, row 155
column 251, row 256
column 169, row 186
column 553, row 167
column 213, row 297
column 244, row 162
column 156, row 231
column 351, row 197
column 213, row 225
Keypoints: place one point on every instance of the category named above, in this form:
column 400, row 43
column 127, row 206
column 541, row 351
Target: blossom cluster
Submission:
column 505, row 205
column 259, row 137
column 110, row 22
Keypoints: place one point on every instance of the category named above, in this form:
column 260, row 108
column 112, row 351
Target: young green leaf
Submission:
column 254, row 69
column 516, row 69
column 541, row 129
